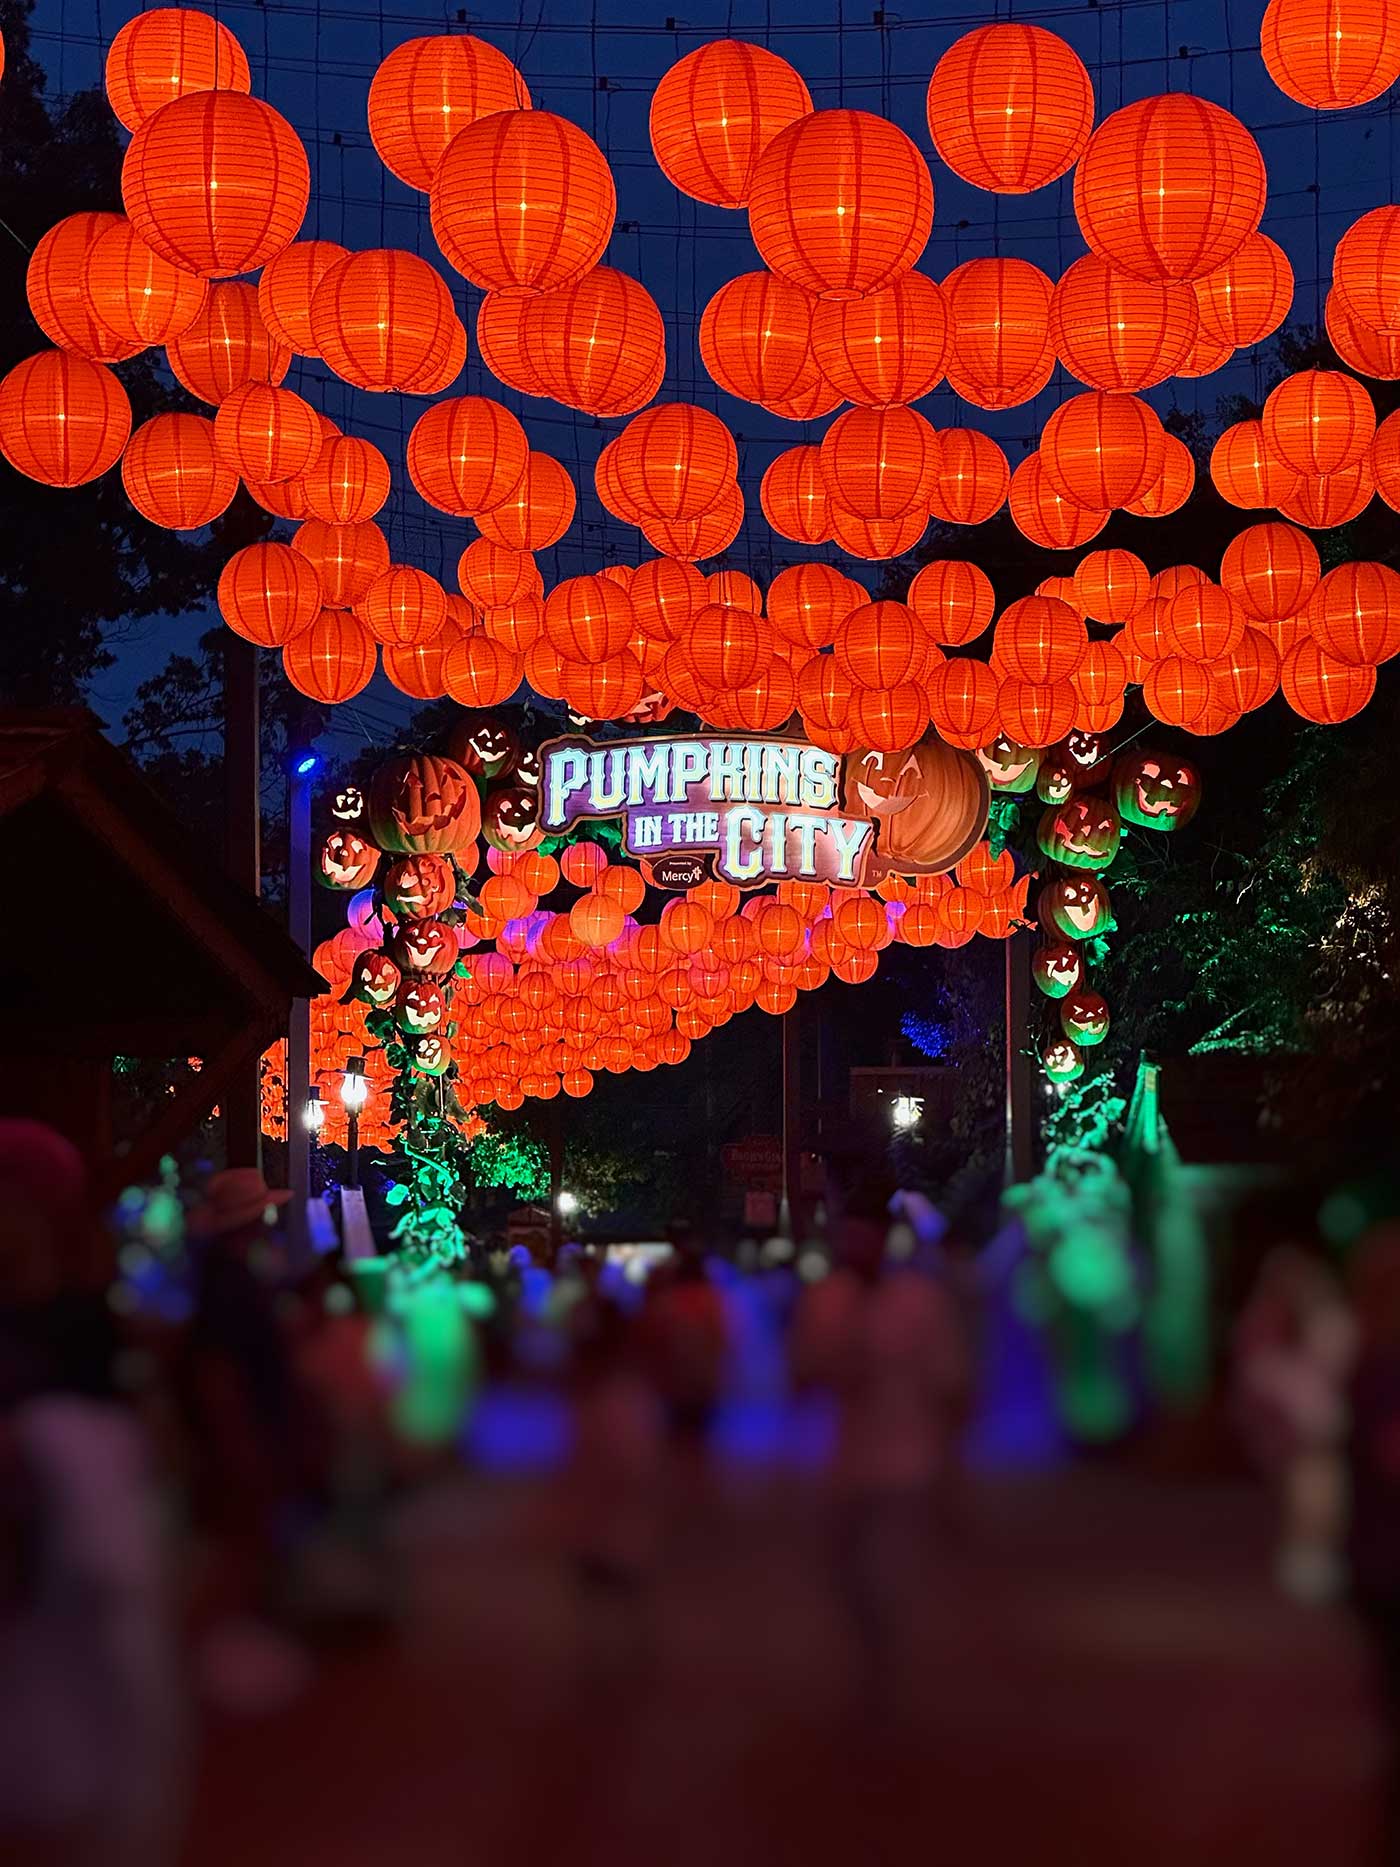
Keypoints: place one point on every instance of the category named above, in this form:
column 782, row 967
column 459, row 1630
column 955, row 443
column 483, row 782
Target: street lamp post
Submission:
column 354, row 1092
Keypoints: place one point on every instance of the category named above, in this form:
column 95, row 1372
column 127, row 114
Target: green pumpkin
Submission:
column 1156, row 790
column 1056, row 779
column 1082, row 833
column 1056, row 967
column 1075, row 907
column 1062, row 1060
column 1084, row 1018
column 1009, row 767
column 430, row 1055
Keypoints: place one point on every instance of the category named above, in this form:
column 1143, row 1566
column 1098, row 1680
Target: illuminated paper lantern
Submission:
column 63, row 420
column 1010, row 107
column 427, row 90
column 173, row 472
column 167, row 53
column 1331, row 54
column 715, row 112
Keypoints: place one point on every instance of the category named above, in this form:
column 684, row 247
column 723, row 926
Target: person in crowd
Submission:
column 91, row 1720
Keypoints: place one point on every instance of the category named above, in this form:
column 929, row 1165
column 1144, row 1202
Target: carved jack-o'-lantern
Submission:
column 1084, row 1018
column 419, row 804
column 527, row 768
column 1075, row 906
column 430, row 1054
column 420, row 1007
column 427, row 949
column 348, row 805
column 1084, row 832
column 930, row 804
column 1083, row 749
column 1009, row 767
column 485, row 745
column 418, row 887
column 347, row 860
column 511, row 819
column 1056, row 779
column 1156, row 791
column 1062, row 1060
column 1056, row 967
column 374, row 979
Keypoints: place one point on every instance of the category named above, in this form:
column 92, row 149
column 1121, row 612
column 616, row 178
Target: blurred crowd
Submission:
column 193, row 1507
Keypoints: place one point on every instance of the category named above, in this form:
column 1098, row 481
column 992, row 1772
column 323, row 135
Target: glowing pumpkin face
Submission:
column 418, row 887
column 1056, row 779
column 1062, row 1061
column 883, row 783
column 348, row 806
column 426, row 948
column 347, row 860
column 420, row 804
column 420, row 1007
column 1084, row 1018
column 1009, row 767
column 929, row 804
column 1056, row 967
column 1083, row 833
column 486, row 746
column 1156, row 792
column 430, row 1055
column 374, row 979
column 1084, row 750
column 527, row 768
column 1075, row 906
column 511, row 819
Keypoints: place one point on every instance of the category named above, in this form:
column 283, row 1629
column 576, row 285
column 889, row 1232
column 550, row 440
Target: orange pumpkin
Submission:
column 421, row 804
column 930, row 803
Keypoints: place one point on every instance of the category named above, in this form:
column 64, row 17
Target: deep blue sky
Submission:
column 597, row 64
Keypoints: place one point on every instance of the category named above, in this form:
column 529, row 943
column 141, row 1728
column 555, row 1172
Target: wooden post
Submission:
column 242, row 1099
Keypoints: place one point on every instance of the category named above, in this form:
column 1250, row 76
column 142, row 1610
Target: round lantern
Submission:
column 714, row 531
column 886, row 348
column 402, row 606
column 226, row 345
column 500, row 337
column 1177, row 690
column 598, row 344
column 756, row 337
column 1331, row 54
column 166, row 53
column 286, row 288
column 1044, row 515
column 1319, row 421
column 715, row 112
column 216, row 182
column 1102, row 675
column 1246, row 471
column 794, row 498
column 1114, row 331
column 1246, row 299
column 883, row 645
column 269, row 593
column 1000, row 352
column 1322, row 688
column 675, row 461
column 1271, row 571
column 1034, row 713
column 877, row 538
column 1102, row 450
column 808, row 602
column 332, row 660
column 267, row 434
column 59, row 287
column 63, row 420
column 538, row 510
column 1359, row 347
column 1354, row 613
column 603, row 690
column 728, row 647
column 1366, row 270
column 478, row 672
column 1203, row 622
column 1326, row 499
column 1173, row 486
column 972, row 479
column 348, row 480
column 1169, row 187
column 1111, row 585
column 381, row 318
column 427, row 90
column 1206, row 355
column 1010, row 107
column 489, row 574
column 174, row 475
column 963, row 702
column 346, row 558
column 665, row 596
column 1248, row 676
column 953, row 600
column 588, row 618
column 136, row 295
column 879, row 463
column 841, row 203
column 467, row 455
column 523, row 202
column 1039, row 639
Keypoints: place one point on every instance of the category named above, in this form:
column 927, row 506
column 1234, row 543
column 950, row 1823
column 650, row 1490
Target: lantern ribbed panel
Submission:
column 599, row 345
column 1203, row 622
column 1010, row 107
column 883, row 645
column 808, row 602
column 972, row 479
column 478, row 672
column 1000, row 353
column 489, row 574
column 58, row 284
column 166, row 53
column 886, row 348
column 1113, row 331
column 173, row 472
column 1360, row 348
column 1320, row 687
column 1044, row 515
column 1177, row 690
column 402, row 606
column 1354, row 613
column 1270, row 570
column 890, row 719
column 715, row 112
column 675, row 461
column 287, row 286
column 1173, row 487
column 714, row 531
column 381, row 318
column 537, row 511
column 523, row 202
column 1248, row 676
column 588, row 618
column 467, row 455
column 227, row 345
column 1246, row 299
column 1206, row 355
column 876, row 539
column 1169, row 187
column 333, row 659
column 63, row 420
column 1036, row 713
column 500, row 338
column 1102, row 450
column 1245, row 470
column 962, row 700
column 138, row 295
column 347, row 481
column 879, row 463
column 1102, row 675
column 427, row 90
column 1039, row 639
column 217, row 183
column 604, row 690
column 1331, row 54
column 1319, row 421
column 419, row 670
column 1111, row 585
column 267, row 434
column 794, row 498
column 841, row 203
column 346, row 558
column 1366, row 270
column 269, row 593
column 665, row 596
column 953, row 599
column 1326, row 499
column 756, row 337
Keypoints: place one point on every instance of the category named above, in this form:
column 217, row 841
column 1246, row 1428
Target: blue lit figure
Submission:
column 306, row 764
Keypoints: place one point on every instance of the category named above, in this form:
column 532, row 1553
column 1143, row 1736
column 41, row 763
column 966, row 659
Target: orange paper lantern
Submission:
column 886, row 348
column 1010, row 107
column 972, row 479
column 226, row 345
column 173, row 472
column 167, row 53
column 1000, row 353
column 63, row 420
column 269, row 593
column 1114, row 331
column 427, row 90
column 1331, row 54
column 715, row 112
column 467, row 455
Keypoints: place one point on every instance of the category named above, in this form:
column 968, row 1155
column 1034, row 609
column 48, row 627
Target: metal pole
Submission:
column 556, row 1179
column 299, row 1026
column 792, row 1125
column 242, row 1102
column 352, row 1147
